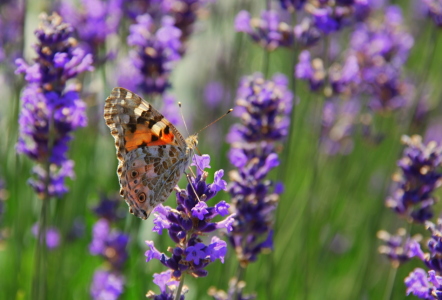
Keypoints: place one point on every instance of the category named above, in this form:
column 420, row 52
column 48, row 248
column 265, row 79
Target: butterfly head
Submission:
column 192, row 141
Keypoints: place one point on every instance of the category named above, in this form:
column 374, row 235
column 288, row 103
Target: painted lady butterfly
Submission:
column 152, row 154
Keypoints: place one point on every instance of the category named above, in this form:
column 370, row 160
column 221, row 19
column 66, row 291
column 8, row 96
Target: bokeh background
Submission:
column 333, row 205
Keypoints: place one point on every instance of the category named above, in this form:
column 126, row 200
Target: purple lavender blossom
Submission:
column 434, row 10
column 94, row 22
column 268, row 31
column 433, row 260
column 106, row 285
column 191, row 219
column 311, row 70
column 111, row 244
column 48, row 102
column 183, row 12
column 423, row 285
column 167, row 285
column 156, row 51
column 372, row 66
column 306, row 33
column 108, row 208
column 420, row 175
column 264, row 106
column 400, row 248
column 382, row 50
column 52, row 236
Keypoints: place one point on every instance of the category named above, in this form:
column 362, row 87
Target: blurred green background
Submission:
column 328, row 216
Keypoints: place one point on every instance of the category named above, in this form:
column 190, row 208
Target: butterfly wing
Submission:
column 150, row 176
column 152, row 153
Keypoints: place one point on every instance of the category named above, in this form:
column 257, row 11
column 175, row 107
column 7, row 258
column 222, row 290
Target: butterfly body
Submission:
column 152, row 154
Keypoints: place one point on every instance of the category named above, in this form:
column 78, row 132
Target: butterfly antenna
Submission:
column 228, row 112
column 182, row 117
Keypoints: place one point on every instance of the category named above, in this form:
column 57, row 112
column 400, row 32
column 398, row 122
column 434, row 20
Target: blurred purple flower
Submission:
column 52, row 236
column 292, row 5
column 94, row 21
column 156, row 50
column 264, row 107
column 400, row 248
column 434, row 10
column 214, row 94
column 270, row 32
column 311, row 70
column 433, row 132
column 106, row 285
column 171, row 110
column 191, row 219
column 420, row 175
column 48, row 102
column 382, row 50
column 424, row 286
column 167, row 284
column 108, row 208
column 111, row 244
column 306, row 33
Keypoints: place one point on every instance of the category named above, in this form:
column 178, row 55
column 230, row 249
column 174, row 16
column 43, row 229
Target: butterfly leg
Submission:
column 190, row 182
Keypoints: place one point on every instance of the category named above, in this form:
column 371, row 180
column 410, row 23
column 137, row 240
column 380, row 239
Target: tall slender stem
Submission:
column 39, row 282
column 239, row 277
column 180, row 288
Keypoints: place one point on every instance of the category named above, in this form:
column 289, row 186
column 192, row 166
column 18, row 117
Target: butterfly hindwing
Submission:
column 149, row 176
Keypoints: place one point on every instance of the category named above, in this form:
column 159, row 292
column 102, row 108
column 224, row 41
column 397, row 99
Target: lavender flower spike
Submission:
column 423, row 285
column 264, row 106
column 268, row 31
column 156, row 50
column 420, row 175
column 189, row 222
column 48, row 102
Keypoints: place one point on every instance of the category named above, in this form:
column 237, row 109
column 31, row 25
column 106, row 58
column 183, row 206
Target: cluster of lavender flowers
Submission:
column 420, row 175
column 373, row 65
column 264, row 106
column 269, row 32
column 156, row 50
column 413, row 198
column 184, row 12
column 420, row 283
column 109, row 243
column 158, row 37
column 51, row 109
column 319, row 18
column 399, row 248
column 94, row 22
column 186, row 224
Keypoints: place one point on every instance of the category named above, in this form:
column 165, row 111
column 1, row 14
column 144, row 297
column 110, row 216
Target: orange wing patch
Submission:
column 149, row 133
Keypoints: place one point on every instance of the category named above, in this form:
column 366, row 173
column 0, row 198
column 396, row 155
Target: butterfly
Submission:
column 152, row 154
